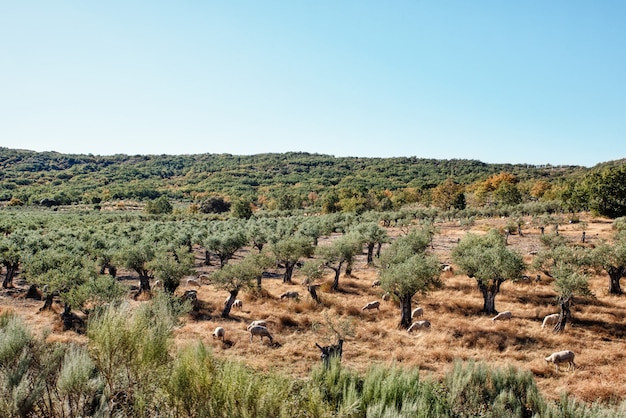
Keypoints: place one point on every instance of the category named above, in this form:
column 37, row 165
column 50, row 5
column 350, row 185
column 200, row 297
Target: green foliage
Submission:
column 487, row 260
column 170, row 267
column 607, row 191
column 159, row 206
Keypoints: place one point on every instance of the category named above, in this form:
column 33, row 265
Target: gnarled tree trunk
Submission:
column 405, row 310
column 289, row 266
column 7, row 283
column 564, row 315
column 229, row 303
column 489, row 291
column 615, row 274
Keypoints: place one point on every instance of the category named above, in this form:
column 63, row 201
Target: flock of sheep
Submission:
column 259, row 327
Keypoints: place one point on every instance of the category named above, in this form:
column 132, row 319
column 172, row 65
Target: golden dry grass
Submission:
column 458, row 330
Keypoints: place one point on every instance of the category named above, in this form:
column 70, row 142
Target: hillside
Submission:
column 69, row 179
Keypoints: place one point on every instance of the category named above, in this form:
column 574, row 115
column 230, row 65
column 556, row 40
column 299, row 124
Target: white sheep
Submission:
column 260, row 331
column 565, row 356
column 502, row 316
column 417, row 313
column 290, row 295
column 372, row 305
column 238, row 303
column 219, row 333
column 447, row 267
column 550, row 320
column 386, row 296
column 419, row 325
column 259, row 322
column 157, row 284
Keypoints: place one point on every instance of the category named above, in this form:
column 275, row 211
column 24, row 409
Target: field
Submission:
column 458, row 331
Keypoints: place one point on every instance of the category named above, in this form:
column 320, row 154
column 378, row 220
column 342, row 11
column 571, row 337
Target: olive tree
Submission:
column 487, row 259
column 225, row 244
column 340, row 252
column 10, row 256
column 234, row 277
column 171, row 266
column 407, row 269
column 612, row 259
column 289, row 251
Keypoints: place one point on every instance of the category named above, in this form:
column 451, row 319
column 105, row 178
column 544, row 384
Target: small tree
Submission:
column 569, row 281
column 225, row 244
column 313, row 270
column 170, row 267
column 10, row 257
column 137, row 257
column 372, row 235
column 159, row 206
column 289, row 251
column 406, row 269
column 237, row 276
column 487, row 260
column 418, row 274
column 612, row 259
column 335, row 255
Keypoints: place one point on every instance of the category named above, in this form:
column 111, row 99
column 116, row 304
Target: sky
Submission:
column 536, row 82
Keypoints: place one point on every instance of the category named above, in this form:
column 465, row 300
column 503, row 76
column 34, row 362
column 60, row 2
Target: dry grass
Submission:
column 458, row 331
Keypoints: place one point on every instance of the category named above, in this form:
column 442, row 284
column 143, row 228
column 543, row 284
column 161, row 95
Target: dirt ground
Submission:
column 458, row 331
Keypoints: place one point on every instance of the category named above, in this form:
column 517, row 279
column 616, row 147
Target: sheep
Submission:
column 376, row 283
column 419, row 325
column 290, row 295
column 157, row 284
column 372, row 305
column 502, row 316
column 417, row 313
column 219, row 333
column 192, row 282
column 565, row 356
column 447, row 267
column 386, row 296
column 259, row 322
column 238, row 303
column 550, row 320
column 261, row 332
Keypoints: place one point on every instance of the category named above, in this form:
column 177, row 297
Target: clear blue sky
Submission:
column 499, row 81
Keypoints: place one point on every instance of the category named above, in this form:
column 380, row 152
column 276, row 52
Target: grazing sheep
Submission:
column 259, row 322
column 565, row 356
column 376, row 283
column 238, row 303
column 157, row 284
column 261, row 332
column 550, row 320
column 193, row 282
column 386, row 296
column 372, row 305
column 417, row 313
column 502, row 316
column 219, row 333
column 290, row 295
column 447, row 267
column 419, row 325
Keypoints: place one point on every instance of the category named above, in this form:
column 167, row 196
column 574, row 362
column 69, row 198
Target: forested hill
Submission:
column 70, row 178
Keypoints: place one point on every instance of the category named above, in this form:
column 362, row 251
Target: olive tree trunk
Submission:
column 489, row 291
column 564, row 315
column 615, row 274
column 229, row 303
column 405, row 310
